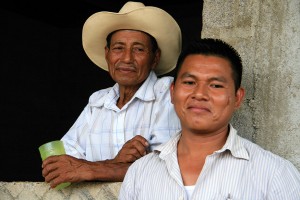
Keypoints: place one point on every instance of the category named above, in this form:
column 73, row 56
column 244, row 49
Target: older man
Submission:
column 122, row 123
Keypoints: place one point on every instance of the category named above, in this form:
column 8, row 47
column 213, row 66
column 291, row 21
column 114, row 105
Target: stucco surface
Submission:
column 76, row 191
column 267, row 35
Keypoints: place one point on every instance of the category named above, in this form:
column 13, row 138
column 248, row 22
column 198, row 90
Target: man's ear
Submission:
column 172, row 91
column 156, row 58
column 239, row 97
column 106, row 52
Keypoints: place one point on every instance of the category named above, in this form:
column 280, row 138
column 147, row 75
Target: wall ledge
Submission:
column 76, row 191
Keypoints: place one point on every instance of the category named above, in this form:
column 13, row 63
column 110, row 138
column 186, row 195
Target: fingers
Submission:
column 132, row 150
column 141, row 139
column 52, row 159
column 51, row 170
column 137, row 146
column 59, row 169
column 53, row 179
column 131, row 155
column 49, row 165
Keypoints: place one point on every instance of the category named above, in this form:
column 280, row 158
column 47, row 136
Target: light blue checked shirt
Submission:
column 102, row 128
column 241, row 170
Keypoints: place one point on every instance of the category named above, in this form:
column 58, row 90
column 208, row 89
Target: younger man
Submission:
column 208, row 160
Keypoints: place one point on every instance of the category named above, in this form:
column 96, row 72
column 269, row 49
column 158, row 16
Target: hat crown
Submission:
column 130, row 6
column 135, row 16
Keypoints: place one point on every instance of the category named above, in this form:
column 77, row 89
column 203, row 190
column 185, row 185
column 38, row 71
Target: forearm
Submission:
column 65, row 168
column 105, row 171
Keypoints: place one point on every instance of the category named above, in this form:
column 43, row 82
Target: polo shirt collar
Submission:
column 233, row 143
column 144, row 93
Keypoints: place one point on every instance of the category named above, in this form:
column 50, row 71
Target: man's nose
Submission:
column 127, row 55
column 200, row 92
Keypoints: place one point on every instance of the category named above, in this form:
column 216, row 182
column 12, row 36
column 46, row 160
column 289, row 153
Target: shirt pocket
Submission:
column 100, row 146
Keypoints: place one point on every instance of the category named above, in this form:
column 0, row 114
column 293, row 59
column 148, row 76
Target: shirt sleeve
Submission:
column 127, row 189
column 286, row 183
column 74, row 139
column 165, row 122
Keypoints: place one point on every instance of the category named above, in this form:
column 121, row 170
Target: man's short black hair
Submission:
column 214, row 47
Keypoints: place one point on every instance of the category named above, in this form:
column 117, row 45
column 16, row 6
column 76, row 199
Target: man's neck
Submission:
column 193, row 149
column 194, row 144
column 126, row 94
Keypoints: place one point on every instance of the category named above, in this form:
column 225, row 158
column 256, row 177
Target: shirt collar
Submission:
column 233, row 143
column 169, row 147
column 144, row 93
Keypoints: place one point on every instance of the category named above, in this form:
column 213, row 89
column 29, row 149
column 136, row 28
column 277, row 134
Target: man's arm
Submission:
column 65, row 168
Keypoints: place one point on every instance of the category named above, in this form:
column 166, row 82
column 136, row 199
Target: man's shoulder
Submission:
column 261, row 155
column 98, row 95
column 271, row 169
column 165, row 80
column 147, row 160
column 163, row 84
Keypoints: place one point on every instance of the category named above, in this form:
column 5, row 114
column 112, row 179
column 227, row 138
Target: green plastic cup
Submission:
column 53, row 148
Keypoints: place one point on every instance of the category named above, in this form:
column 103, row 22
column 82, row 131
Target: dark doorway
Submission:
column 46, row 78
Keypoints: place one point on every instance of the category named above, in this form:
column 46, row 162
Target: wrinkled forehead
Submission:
column 128, row 31
column 152, row 41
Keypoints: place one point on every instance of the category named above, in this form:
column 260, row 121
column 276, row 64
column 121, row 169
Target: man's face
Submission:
column 204, row 94
column 130, row 57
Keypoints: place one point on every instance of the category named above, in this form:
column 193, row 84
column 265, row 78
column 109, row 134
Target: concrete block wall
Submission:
column 267, row 35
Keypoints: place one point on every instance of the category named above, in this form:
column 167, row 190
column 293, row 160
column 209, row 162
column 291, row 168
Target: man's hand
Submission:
column 64, row 168
column 132, row 150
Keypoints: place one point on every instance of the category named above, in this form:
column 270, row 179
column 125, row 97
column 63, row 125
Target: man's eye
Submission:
column 117, row 48
column 137, row 49
column 216, row 86
column 188, row 82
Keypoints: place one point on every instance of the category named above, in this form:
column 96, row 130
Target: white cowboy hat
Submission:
column 135, row 16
